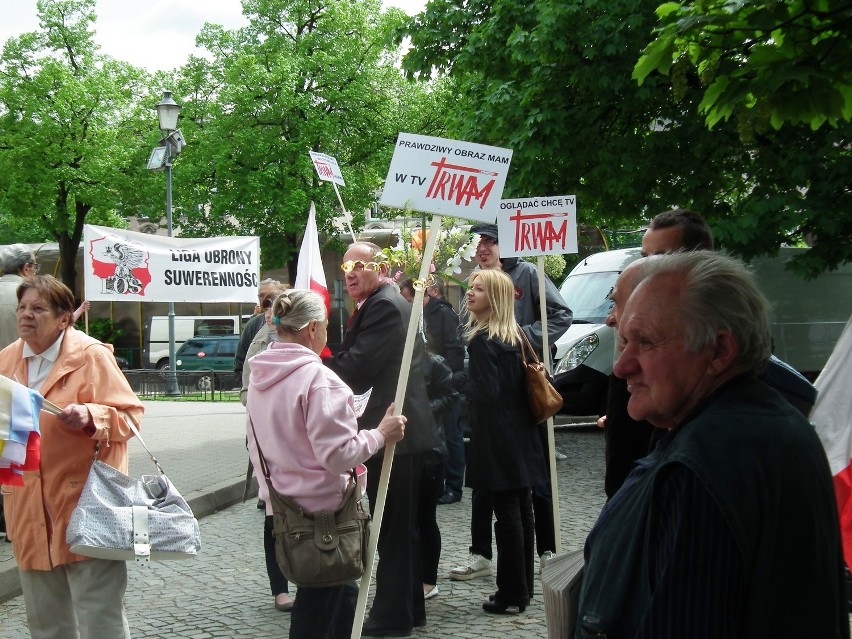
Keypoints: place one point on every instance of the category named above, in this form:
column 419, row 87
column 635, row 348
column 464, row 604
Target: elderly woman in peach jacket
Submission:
column 66, row 595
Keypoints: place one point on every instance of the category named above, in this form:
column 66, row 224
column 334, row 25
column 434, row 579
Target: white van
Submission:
column 807, row 319
column 156, row 350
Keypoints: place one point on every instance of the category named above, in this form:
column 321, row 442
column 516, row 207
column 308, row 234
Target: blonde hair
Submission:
column 500, row 323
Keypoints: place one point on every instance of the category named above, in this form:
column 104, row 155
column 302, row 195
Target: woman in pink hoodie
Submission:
column 304, row 419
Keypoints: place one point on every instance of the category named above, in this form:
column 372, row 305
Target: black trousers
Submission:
column 515, row 535
column 324, row 613
column 542, row 503
column 399, row 588
column 277, row 581
column 431, row 488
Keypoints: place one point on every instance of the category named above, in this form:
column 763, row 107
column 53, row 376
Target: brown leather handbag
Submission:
column 323, row 548
column 545, row 401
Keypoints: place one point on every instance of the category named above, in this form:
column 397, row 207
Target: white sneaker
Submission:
column 546, row 556
column 476, row 566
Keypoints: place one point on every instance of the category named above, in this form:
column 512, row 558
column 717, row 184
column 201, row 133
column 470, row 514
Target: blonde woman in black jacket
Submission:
column 506, row 458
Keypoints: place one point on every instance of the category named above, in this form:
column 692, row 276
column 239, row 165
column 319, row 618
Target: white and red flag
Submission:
column 832, row 416
column 309, row 272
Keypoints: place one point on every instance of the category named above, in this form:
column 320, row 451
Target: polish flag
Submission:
column 309, row 273
column 832, row 416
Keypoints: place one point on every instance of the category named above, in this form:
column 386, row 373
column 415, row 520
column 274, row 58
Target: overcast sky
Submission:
column 153, row 34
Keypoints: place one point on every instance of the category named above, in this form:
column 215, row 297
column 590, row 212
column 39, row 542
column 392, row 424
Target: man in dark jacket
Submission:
column 729, row 528
column 443, row 337
column 370, row 357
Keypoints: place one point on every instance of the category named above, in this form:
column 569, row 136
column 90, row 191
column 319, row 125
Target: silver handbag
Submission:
column 122, row 518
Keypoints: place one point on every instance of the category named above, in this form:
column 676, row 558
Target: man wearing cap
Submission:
column 525, row 278
column 527, row 313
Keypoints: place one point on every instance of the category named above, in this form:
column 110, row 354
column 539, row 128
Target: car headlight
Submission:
column 178, row 362
column 578, row 354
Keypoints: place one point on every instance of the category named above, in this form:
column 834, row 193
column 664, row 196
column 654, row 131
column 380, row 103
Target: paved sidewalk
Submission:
column 225, row 591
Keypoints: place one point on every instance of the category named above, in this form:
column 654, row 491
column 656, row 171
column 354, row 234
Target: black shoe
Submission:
column 373, row 628
column 261, row 505
column 449, row 497
column 497, row 607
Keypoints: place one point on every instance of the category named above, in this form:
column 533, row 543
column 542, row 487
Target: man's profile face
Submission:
column 662, row 241
column 624, row 285
column 488, row 252
column 365, row 278
column 665, row 379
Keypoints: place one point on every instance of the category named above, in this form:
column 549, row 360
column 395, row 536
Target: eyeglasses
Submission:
column 266, row 303
column 34, row 266
column 484, row 240
column 358, row 265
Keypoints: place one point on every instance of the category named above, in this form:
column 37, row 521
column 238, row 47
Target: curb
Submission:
column 202, row 503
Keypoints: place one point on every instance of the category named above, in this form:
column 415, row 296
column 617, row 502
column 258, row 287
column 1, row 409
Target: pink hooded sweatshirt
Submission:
column 304, row 418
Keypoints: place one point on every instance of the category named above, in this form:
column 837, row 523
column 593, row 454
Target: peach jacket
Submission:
column 86, row 373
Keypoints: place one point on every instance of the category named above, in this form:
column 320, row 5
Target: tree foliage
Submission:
column 782, row 73
column 69, row 131
column 553, row 80
column 787, row 62
column 304, row 75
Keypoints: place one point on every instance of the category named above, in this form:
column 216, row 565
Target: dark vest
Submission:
column 766, row 469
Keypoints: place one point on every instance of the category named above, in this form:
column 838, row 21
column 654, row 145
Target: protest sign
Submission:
column 446, row 177
column 123, row 266
column 538, row 226
column 327, row 168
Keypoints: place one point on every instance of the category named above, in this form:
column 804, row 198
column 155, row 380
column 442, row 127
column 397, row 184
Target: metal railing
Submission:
column 193, row 385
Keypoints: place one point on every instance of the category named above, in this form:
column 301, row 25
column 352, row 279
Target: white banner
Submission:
column 538, row 226
column 123, row 266
column 446, row 177
column 327, row 168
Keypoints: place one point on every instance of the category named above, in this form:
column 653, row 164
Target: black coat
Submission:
column 370, row 357
column 441, row 324
column 505, row 448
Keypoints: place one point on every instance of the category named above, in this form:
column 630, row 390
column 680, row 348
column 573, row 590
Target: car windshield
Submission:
column 587, row 296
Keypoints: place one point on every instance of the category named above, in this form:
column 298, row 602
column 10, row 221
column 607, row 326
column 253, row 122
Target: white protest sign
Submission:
column 327, row 168
column 538, row 226
column 446, row 177
column 123, row 266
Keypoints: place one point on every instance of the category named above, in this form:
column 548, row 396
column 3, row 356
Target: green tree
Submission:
column 551, row 80
column 782, row 72
column 785, row 62
column 304, row 75
column 69, row 131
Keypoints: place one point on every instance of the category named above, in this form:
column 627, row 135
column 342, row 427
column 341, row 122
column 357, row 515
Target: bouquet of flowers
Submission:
column 454, row 245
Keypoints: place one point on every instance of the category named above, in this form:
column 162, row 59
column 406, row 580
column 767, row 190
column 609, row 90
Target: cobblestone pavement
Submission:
column 225, row 593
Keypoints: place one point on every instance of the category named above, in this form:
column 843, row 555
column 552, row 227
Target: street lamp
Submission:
column 161, row 158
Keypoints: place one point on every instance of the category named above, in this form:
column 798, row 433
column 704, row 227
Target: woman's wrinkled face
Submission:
column 38, row 324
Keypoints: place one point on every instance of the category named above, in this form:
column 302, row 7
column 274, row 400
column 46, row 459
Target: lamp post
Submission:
column 167, row 112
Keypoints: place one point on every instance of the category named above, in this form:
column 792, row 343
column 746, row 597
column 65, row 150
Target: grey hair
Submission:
column 719, row 293
column 295, row 308
column 269, row 282
column 14, row 257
